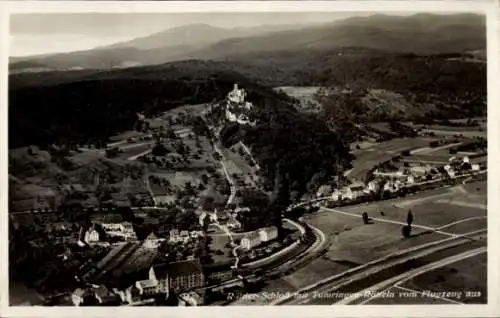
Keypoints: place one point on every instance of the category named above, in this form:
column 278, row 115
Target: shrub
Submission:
column 406, row 231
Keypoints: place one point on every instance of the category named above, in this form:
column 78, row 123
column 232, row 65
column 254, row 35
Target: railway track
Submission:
column 382, row 268
column 287, row 263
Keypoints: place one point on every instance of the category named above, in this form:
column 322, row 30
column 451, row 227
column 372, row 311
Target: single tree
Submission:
column 365, row 218
column 409, row 218
column 406, row 231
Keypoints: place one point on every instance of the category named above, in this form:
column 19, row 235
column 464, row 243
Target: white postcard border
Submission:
column 490, row 8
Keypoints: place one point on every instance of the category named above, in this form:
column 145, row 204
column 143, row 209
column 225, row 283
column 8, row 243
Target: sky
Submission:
column 32, row 34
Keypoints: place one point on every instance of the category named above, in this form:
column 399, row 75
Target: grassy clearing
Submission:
column 316, row 270
column 305, row 96
column 444, row 132
column 358, row 243
column 218, row 243
column 126, row 135
column 429, row 209
column 379, row 152
column 466, row 275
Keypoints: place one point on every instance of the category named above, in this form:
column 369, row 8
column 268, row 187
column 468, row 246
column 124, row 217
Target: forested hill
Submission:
column 78, row 106
column 455, row 80
column 95, row 109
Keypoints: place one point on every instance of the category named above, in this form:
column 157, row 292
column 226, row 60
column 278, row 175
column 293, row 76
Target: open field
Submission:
column 377, row 153
column 434, row 208
column 446, row 132
column 237, row 165
column 436, row 158
column 456, row 130
column 305, row 96
column 464, row 276
column 125, row 135
column 355, row 243
column 464, row 280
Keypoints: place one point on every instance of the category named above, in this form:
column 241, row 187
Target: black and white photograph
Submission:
column 248, row 158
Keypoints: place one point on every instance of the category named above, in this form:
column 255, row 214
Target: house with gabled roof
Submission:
column 152, row 241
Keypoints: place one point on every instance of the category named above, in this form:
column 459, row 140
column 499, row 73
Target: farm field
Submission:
column 468, row 275
column 433, row 208
column 305, row 96
column 377, row 153
column 457, row 130
column 355, row 243
column 466, row 133
column 466, row 278
column 437, row 158
column 126, row 135
column 237, row 166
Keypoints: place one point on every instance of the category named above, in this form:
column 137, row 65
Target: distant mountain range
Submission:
column 419, row 34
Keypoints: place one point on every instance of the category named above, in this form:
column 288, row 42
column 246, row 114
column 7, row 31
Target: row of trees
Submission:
column 405, row 230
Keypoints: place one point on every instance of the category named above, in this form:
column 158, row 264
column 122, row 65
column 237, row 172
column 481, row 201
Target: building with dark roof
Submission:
column 178, row 276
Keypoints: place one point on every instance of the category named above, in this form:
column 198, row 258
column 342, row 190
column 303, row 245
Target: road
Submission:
column 135, row 157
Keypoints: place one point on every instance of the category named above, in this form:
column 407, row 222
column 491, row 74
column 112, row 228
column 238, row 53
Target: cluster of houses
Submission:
column 226, row 218
column 256, row 238
column 125, row 230
column 181, row 278
column 393, row 181
column 236, row 106
column 176, row 236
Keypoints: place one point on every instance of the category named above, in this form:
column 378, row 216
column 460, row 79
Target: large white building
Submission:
column 373, row 186
column 269, row 233
column 91, row 236
column 235, row 104
column 251, row 240
column 236, row 95
column 148, row 287
column 152, row 241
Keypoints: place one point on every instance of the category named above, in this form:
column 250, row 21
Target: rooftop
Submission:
column 151, row 236
column 269, row 228
column 252, row 235
column 177, row 268
column 147, row 283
